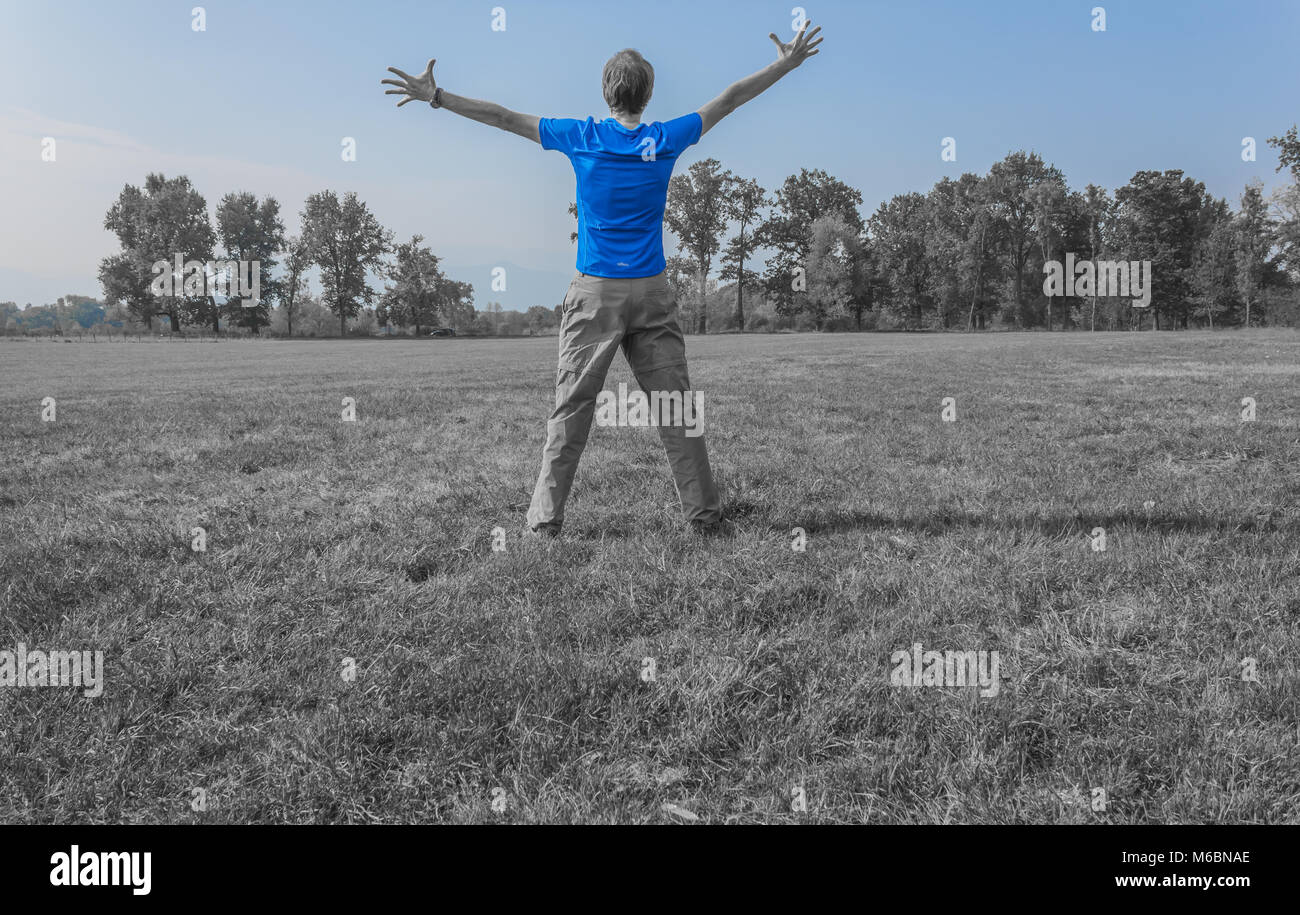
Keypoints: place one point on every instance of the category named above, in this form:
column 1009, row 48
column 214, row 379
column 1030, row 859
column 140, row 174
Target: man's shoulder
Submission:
column 563, row 133
column 683, row 119
column 682, row 131
column 571, row 123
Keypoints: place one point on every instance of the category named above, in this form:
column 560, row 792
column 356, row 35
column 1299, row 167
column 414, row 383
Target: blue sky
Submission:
column 263, row 98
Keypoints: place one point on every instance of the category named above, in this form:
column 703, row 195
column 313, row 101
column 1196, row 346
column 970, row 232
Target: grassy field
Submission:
column 516, row 677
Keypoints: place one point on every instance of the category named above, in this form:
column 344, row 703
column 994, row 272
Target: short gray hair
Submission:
column 628, row 81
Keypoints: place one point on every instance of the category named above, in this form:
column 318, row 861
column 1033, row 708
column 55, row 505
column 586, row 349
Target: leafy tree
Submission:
column 78, row 311
column 800, row 200
column 745, row 199
column 1161, row 217
column 1011, row 186
column 980, row 264
column 347, row 242
column 250, row 231
column 1254, row 239
column 900, row 230
column 456, row 301
column 960, row 249
column 1099, row 212
column 1285, row 214
column 414, row 296
column 1288, row 147
column 165, row 218
column 835, row 254
column 681, row 275
column 39, row 317
column 958, row 245
column 366, row 323
column 540, row 319
column 1047, row 203
column 1214, row 271
column 291, row 289
column 313, row 317
column 697, row 214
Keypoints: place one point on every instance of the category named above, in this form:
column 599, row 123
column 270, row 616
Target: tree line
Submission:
column 971, row 252
column 339, row 235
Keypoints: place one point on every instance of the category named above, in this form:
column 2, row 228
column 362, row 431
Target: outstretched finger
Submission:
column 404, row 101
column 809, row 36
column 392, row 82
column 428, row 71
column 772, row 35
column 405, row 76
column 813, row 44
column 398, row 92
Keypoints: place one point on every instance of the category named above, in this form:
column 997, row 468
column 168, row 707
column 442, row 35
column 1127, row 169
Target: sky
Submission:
column 262, row 99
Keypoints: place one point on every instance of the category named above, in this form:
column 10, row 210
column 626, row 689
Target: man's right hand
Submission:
column 788, row 57
column 793, row 53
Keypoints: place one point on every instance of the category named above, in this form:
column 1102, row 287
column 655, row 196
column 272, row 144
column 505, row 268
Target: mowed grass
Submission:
column 517, row 675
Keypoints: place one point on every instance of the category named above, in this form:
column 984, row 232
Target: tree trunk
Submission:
column 1093, row 239
column 740, row 285
column 1020, row 290
column 1069, row 280
column 702, row 318
column 343, row 322
column 979, row 277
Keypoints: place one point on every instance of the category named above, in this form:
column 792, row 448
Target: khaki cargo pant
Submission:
column 600, row 315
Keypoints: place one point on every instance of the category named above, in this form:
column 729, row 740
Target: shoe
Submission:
column 723, row 527
column 547, row 530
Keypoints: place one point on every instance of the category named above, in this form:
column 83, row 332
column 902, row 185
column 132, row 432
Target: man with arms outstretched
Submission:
column 621, row 297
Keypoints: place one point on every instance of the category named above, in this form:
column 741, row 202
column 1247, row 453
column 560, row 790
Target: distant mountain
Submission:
column 524, row 286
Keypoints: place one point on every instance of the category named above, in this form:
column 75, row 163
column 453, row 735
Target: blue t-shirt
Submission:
column 622, row 187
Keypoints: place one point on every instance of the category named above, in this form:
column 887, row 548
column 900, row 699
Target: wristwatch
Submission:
column 436, row 101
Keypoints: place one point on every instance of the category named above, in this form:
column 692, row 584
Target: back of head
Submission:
column 628, row 81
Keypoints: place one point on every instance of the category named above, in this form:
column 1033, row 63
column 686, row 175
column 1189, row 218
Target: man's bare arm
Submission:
column 789, row 56
column 493, row 115
column 422, row 88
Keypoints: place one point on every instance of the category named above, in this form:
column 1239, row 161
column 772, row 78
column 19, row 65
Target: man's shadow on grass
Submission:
column 1058, row 524
column 781, row 523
